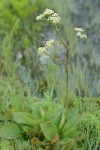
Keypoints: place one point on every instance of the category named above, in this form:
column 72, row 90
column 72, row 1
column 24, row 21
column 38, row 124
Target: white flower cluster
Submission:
column 42, row 50
column 50, row 43
column 49, row 14
column 79, row 30
column 39, row 17
column 80, row 33
column 55, row 18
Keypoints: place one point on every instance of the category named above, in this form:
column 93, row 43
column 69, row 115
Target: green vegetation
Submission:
column 33, row 115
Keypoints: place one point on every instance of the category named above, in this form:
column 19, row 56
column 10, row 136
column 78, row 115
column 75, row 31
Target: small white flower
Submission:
column 55, row 18
column 41, row 50
column 84, row 36
column 39, row 17
column 48, row 12
column 50, row 43
column 81, row 35
column 79, row 30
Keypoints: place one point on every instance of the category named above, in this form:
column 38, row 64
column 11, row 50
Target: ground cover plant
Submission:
column 38, row 110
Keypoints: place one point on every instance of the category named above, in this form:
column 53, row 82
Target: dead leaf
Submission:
column 55, row 139
column 34, row 140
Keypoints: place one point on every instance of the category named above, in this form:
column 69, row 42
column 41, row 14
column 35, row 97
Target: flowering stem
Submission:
column 67, row 62
column 54, row 18
column 60, row 37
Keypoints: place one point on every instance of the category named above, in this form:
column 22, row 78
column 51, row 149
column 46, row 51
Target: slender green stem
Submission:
column 59, row 36
column 67, row 62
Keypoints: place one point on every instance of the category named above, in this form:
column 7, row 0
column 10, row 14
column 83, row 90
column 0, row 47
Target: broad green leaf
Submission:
column 71, row 123
column 37, row 110
column 62, row 120
column 69, row 130
column 24, row 118
column 49, row 130
column 51, row 115
column 11, row 131
column 71, row 133
column 25, row 129
column 59, row 118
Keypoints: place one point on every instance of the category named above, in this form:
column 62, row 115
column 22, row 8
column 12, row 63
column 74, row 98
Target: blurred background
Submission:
column 22, row 70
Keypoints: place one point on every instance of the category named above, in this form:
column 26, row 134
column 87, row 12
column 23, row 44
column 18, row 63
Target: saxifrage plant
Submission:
column 47, row 123
column 54, row 19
